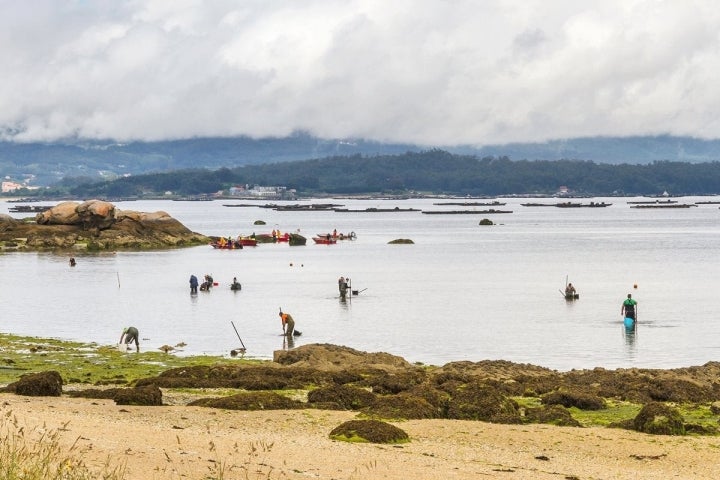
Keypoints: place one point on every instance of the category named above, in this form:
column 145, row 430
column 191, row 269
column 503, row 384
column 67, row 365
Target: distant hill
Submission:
column 613, row 150
column 85, row 160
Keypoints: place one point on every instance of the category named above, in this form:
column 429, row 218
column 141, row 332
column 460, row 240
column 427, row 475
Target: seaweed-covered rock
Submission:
column 345, row 396
column 571, row 398
column 41, row 384
column 395, row 382
column 553, row 414
column 371, row 431
column 401, row 406
column 250, row 401
column 486, row 221
column 401, row 241
column 477, row 401
column 145, row 396
column 248, row 377
column 439, row 399
column 99, row 393
column 296, row 240
column 659, row 419
column 334, row 357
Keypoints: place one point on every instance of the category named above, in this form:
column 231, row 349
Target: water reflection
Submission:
column 288, row 342
column 630, row 335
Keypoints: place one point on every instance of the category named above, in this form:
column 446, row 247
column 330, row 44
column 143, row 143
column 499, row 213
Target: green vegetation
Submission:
column 368, row 431
column 617, row 412
column 94, row 365
column 88, row 363
column 434, row 171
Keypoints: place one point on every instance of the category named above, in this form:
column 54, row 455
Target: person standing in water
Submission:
column 629, row 308
column 342, row 286
column 129, row 335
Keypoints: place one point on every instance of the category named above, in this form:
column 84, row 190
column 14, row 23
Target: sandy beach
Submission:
column 174, row 441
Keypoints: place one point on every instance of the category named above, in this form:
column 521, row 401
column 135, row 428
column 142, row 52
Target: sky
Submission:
column 427, row 72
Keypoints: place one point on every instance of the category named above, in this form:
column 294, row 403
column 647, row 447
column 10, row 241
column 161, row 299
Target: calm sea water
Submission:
column 461, row 292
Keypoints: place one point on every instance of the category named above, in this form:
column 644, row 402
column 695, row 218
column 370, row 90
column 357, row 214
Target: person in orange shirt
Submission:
column 288, row 324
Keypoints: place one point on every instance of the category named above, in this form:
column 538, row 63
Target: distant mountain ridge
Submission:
column 613, row 150
column 50, row 162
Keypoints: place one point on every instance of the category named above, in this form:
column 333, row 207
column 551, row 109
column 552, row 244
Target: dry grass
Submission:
column 37, row 454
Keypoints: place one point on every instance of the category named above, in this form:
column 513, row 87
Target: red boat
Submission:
column 326, row 240
column 247, row 241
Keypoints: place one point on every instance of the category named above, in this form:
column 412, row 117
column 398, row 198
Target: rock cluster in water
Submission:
column 95, row 225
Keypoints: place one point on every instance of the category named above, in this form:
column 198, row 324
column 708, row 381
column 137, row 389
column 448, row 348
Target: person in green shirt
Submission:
column 629, row 308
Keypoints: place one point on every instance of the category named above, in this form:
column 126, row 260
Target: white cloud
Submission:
column 433, row 72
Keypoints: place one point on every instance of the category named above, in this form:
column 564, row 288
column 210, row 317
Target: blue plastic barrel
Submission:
column 629, row 322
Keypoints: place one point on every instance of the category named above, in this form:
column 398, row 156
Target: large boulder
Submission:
column 5, row 218
column 89, row 214
column 97, row 225
column 96, row 214
column 64, row 213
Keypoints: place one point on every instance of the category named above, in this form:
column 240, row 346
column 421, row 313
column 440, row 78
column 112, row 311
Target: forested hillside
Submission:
column 434, row 171
column 76, row 160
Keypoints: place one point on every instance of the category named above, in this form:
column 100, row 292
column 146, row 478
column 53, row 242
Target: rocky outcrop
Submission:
column 96, row 225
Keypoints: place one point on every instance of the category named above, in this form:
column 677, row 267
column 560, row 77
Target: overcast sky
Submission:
column 428, row 72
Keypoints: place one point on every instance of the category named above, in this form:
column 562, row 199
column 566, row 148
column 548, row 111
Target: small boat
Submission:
column 326, row 240
column 572, row 296
column 227, row 246
column 339, row 236
column 247, row 241
column 272, row 238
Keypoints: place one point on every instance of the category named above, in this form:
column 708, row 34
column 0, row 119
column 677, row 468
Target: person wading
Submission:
column 629, row 308
column 288, row 324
